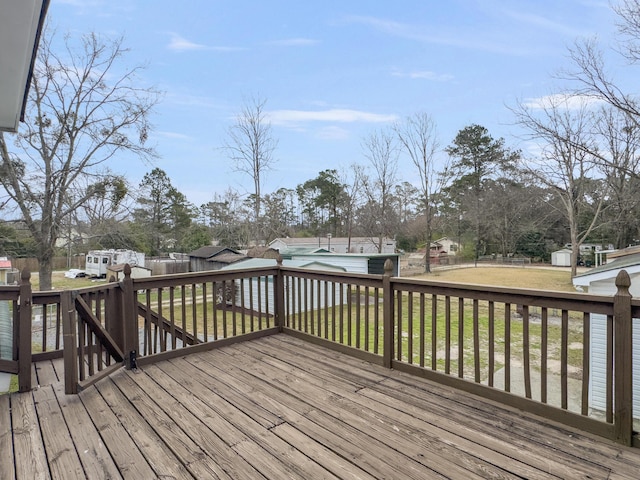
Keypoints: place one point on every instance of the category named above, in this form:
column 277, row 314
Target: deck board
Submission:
column 94, row 456
column 279, row 407
column 428, row 416
column 28, row 448
column 128, row 458
column 61, row 453
column 7, row 470
column 364, row 415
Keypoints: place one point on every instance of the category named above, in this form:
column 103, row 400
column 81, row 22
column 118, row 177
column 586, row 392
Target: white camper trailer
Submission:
column 98, row 261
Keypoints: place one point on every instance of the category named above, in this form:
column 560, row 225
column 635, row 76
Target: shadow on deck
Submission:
column 279, row 407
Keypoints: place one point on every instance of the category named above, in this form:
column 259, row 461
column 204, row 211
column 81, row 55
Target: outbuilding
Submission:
column 561, row 258
column 213, row 258
column 117, row 271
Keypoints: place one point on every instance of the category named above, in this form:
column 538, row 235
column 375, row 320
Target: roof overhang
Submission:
column 21, row 22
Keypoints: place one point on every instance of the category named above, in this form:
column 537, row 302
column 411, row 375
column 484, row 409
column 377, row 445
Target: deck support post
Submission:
column 279, row 296
column 129, row 319
column 69, row 332
column 623, row 361
column 388, row 308
column 24, row 332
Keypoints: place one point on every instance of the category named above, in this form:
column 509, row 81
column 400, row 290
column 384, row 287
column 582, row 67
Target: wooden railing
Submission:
column 528, row 349
column 168, row 313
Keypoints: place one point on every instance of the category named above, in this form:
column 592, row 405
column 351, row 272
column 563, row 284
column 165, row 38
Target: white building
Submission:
column 561, row 258
column 601, row 280
column 251, row 292
column 444, row 246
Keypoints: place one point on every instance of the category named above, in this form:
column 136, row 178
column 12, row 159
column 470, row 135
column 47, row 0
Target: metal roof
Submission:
column 271, row 262
column 209, row 251
column 631, row 263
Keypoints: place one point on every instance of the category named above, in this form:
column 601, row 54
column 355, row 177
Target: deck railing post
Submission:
column 113, row 315
column 388, row 308
column 70, row 336
column 279, row 296
column 129, row 319
column 24, row 332
column 623, row 360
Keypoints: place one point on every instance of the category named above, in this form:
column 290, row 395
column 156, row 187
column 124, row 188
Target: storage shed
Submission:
column 601, row 280
column 561, row 258
column 213, row 258
column 117, row 271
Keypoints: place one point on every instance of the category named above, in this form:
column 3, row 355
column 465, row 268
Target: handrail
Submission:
column 453, row 333
column 456, row 334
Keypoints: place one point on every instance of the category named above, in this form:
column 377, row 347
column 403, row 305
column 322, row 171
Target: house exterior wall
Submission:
column 355, row 263
column 6, row 323
column 449, row 246
column 598, row 356
column 351, row 263
column 303, row 294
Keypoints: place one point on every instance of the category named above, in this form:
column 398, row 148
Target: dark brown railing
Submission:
column 525, row 348
column 528, row 349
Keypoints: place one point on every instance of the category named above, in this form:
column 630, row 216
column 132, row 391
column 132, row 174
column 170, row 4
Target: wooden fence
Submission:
column 59, row 263
column 525, row 348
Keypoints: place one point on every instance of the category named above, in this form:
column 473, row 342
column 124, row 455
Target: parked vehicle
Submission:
column 98, row 261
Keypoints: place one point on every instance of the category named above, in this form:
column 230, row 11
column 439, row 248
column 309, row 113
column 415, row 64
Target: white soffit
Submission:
column 20, row 24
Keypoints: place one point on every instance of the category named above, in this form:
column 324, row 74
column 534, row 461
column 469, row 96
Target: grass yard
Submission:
column 517, row 277
column 60, row 282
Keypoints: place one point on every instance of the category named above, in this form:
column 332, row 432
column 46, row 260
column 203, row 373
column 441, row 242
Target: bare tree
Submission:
column 353, row 191
column 84, row 108
column 619, row 137
column 250, row 146
column 591, row 74
column 564, row 135
column 381, row 150
column 418, row 137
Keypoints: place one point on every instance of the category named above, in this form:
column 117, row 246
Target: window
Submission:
column 105, row 260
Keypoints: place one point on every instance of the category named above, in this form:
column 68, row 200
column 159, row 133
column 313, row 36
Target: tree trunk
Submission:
column 45, row 271
column 427, row 260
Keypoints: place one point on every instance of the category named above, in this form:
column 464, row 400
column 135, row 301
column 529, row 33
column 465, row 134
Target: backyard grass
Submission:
column 60, row 282
column 517, row 277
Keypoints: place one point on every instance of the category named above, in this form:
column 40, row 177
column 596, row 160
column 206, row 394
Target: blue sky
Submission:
column 331, row 72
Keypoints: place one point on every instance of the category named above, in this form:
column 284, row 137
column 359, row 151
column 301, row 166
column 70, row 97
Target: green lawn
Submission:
column 517, row 277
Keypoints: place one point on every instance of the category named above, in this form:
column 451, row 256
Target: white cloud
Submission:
column 450, row 37
column 181, row 44
column 295, row 117
column 561, row 100
column 173, row 135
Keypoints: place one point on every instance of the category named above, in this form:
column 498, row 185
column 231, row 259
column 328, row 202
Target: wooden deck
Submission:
column 282, row 408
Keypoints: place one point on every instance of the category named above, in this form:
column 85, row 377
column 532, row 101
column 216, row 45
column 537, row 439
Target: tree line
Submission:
column 576, row 182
